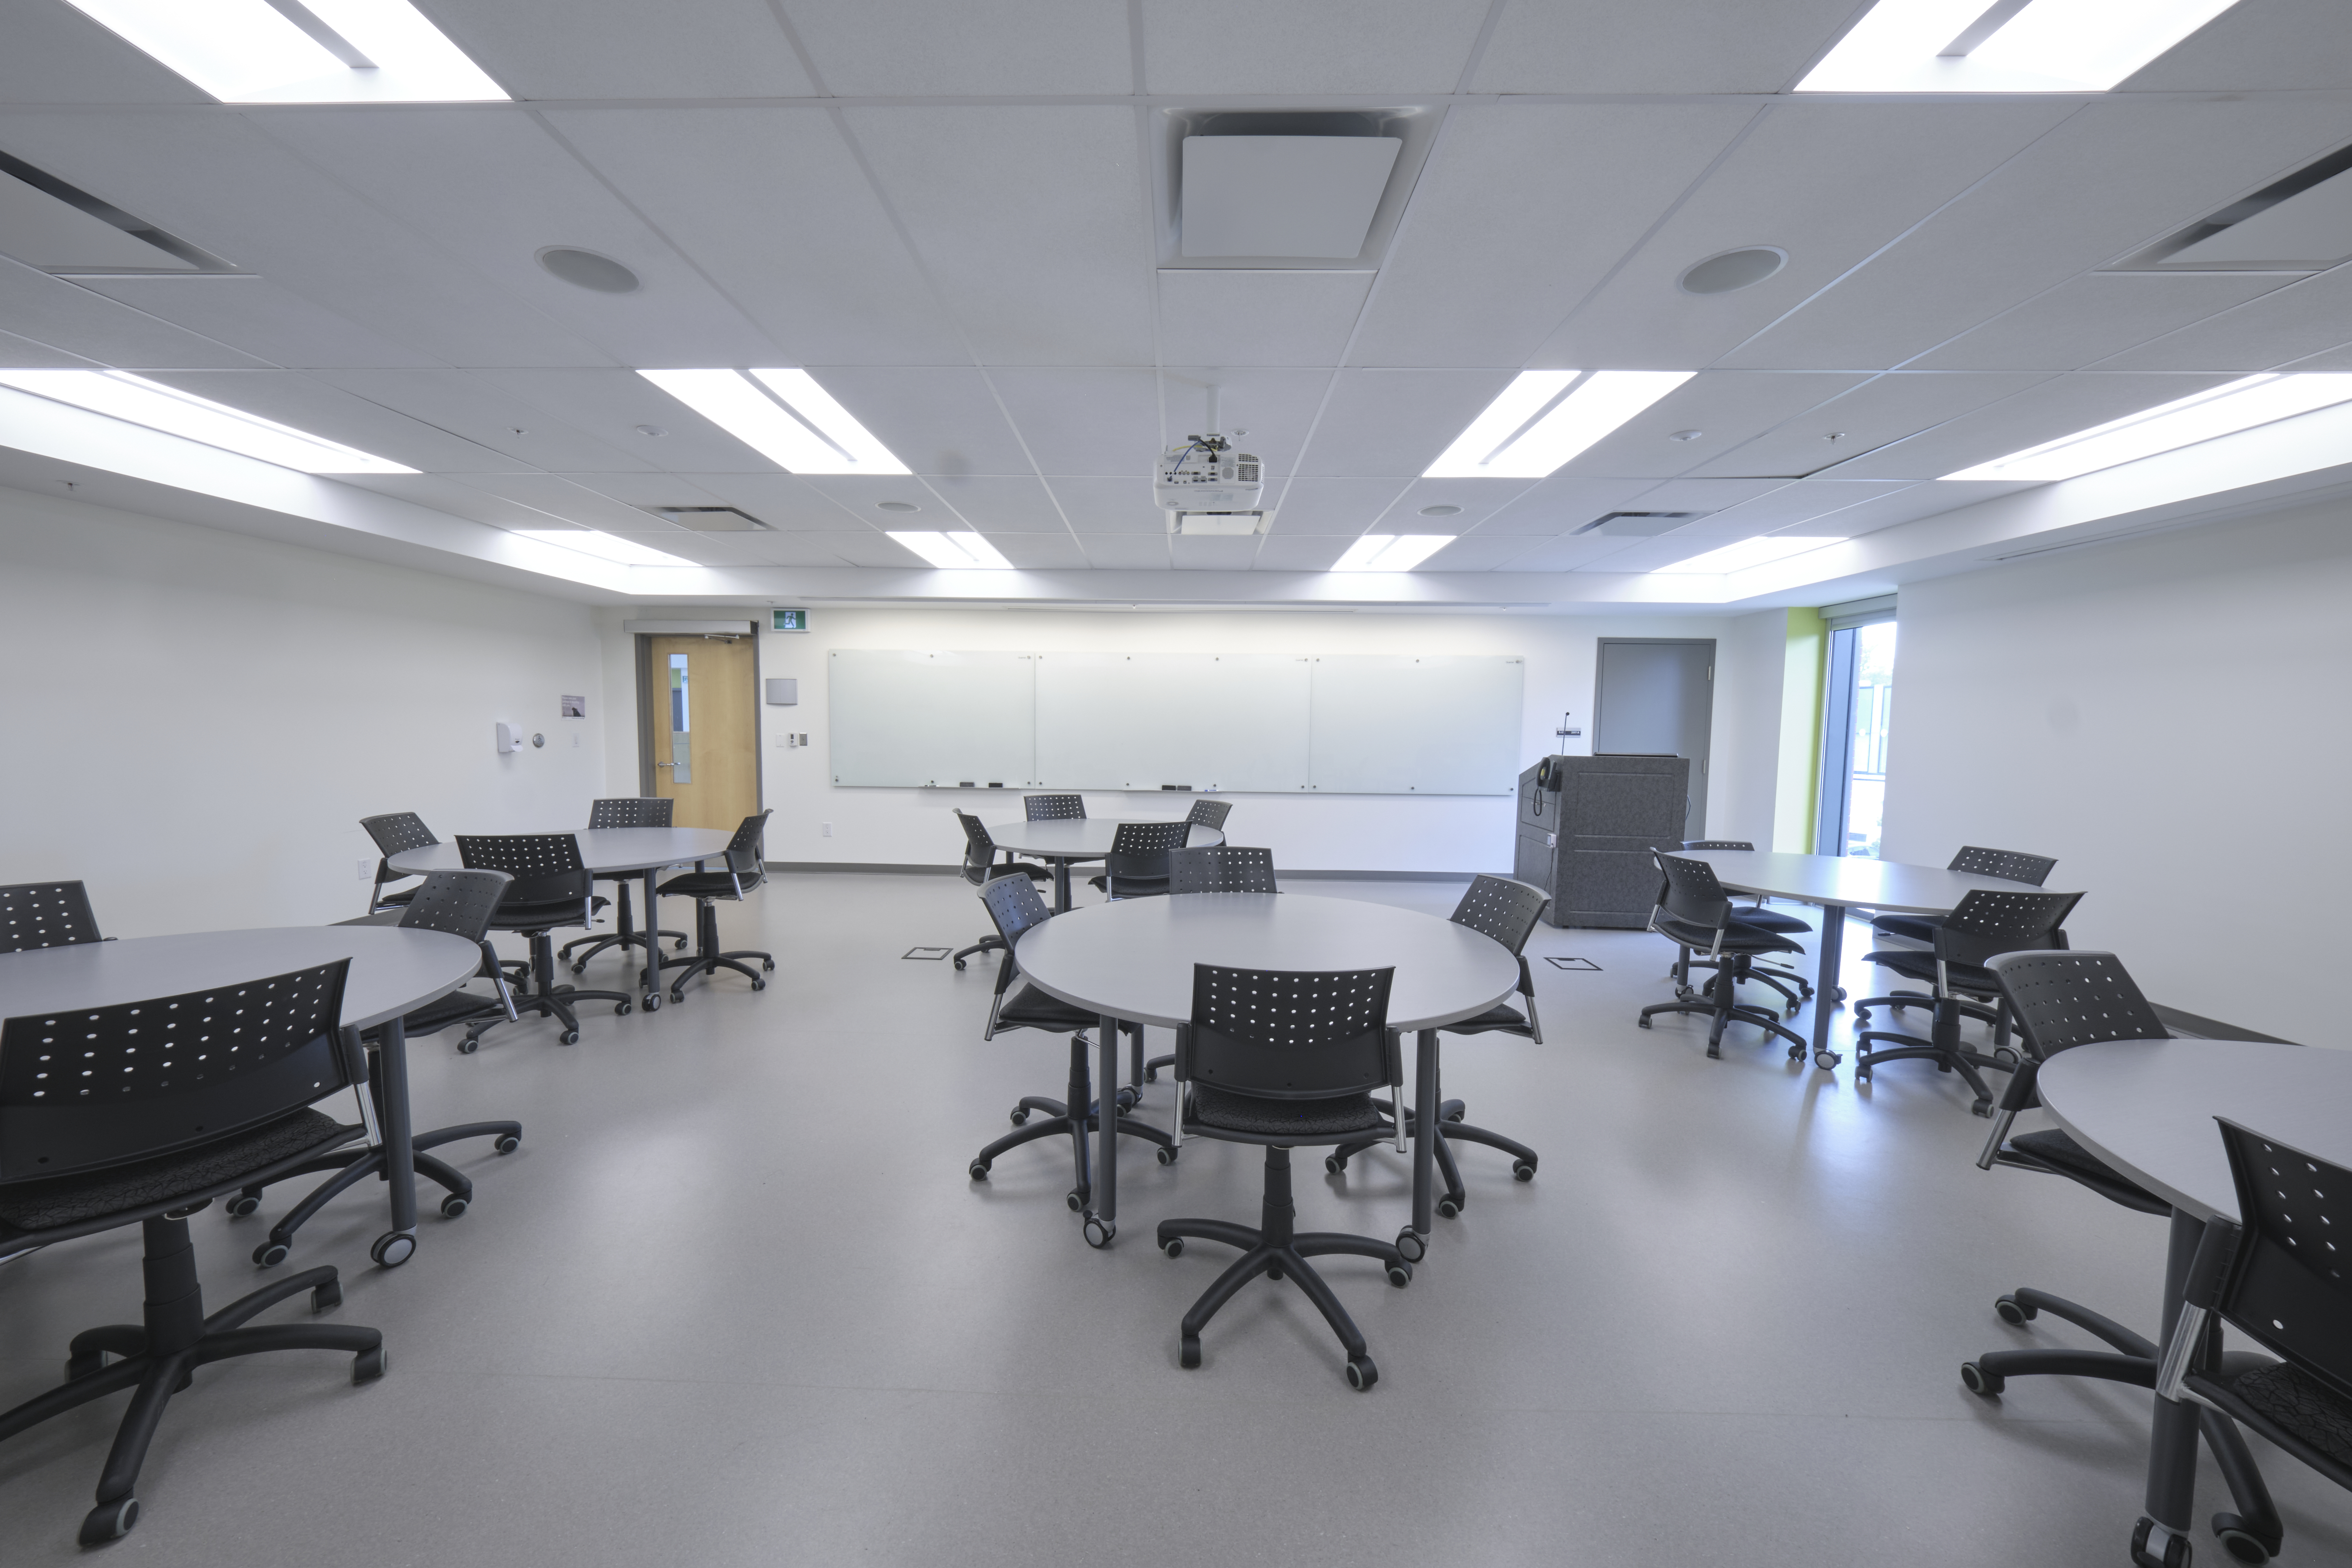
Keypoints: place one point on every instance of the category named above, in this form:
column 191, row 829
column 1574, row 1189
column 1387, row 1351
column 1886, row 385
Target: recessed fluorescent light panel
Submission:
column 2240, row 406
column 1752, row 552
column 784, row 415
column 122, row 395
column 955, row 552
column 603, row 546
column 1547, row 417
column 300, row 51
column 1391, row 552
column 1969, row 45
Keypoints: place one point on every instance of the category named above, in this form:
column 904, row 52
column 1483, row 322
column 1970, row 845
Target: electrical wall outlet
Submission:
column 367, row 870
column 824, row 829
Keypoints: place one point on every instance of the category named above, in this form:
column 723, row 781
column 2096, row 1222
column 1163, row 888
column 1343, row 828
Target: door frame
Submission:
column 643, row 658
column 1700, row 786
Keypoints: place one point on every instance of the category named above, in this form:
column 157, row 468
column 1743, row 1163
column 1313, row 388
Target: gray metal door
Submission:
column 1656, row 696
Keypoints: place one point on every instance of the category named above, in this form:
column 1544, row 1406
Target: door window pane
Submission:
column 1873, row 704
column 681, row 754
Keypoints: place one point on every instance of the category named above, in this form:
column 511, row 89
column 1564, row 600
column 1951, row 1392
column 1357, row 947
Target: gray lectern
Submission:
column 1586, row 841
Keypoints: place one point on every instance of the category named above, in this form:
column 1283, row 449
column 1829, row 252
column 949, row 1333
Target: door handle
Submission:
column 665, row 764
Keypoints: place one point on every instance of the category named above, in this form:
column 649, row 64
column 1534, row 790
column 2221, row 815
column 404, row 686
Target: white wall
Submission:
column 905, row 826
column 197, row 720
column 2169, row 719
column 1743, row 790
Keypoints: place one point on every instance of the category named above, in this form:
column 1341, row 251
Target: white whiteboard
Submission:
column 932, row 717
column 1138, row 721
column 1393, row 724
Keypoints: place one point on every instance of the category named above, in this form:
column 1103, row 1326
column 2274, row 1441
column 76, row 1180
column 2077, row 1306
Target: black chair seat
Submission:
column 1767, row 920
column 1030, row 1009
column 2299, row 1403
column 700, row 885
column 457, row 1007
column 1247, row 1113
column 1913, row 964
column 1912, row 928
column 1131, row 887
column 1738, row 937
column 1501, row 1016
column 539, row 917
column 62, row 1201
column 2059, row 1153
column 393, row 901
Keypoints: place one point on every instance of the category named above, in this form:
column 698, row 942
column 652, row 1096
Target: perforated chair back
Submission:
column 1290, row 1033
column 2059, row 1000
column 2010, row 865
column 398, row 832
column 459, row 902
column 744, row 857
column 1499, row 908
column 1139, row 851
column 1052, row 808
column 1016, row 907
column 1692, row 894
column 107, row 1086
column 1209, row 813
column 2287, row 1288
column 1986, row 924
column 1718, row 844
column 546, row 867
column 979, row 849
column 44, row 915
column 631, row 811
column 1221, row 869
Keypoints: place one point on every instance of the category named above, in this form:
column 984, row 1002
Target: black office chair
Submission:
column 979, row 869
column 1779, row 978
column 2061, row 1000
column 459, row 903
column 1221, row 869
column 1282, row 1059
column 46, row 914
column 1015, row 909
column 2273, row 1276
column 167, row 1127
column 1052, row 808
column 621, row 811
column 395, row 833
column 2014, row 866
column 1984, row 925
column 552, row 889
column 746, row 870
column 1506, row 911
column 1694, row 911
column 1137, row 866
column 1209, row 813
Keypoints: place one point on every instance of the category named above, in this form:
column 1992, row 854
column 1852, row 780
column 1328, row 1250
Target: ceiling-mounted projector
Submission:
column 1206, row 487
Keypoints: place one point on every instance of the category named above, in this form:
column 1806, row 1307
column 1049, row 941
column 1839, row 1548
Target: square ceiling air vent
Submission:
column 1636, row 524
column 711, row 519
column 1292, row 196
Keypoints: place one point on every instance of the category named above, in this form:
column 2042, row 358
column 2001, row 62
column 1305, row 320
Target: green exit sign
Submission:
column 788, row 620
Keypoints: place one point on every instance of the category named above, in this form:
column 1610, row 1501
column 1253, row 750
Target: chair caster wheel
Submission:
column 621, row 1010
column 453, row 1206
column 393, row 1249
column 2176, row 1547
column 2239, row 1541
column 1077, row 1200
column 1334, row 1165
column 1189, row 1357
column 1978, row 1381
column 1173, row 1247
column 82, row 1366
column 1410, row 1247
column 270, row 1254
column 1861, row 1016
column 1361, row 1373
column 1714, row 1052
column 1981, row 1108
column 977, row 1170
column 1448, row 1208
column 1274, row 1270
column 469, row 1044
column 1796, row 1053
column 653, row 1002
column 2005, row 1058
column 1826, row 1060
column 1640, row 1023
column 769, row 964
column 1166, row 1155
column 326, row 1297
column 759, row 985
column 580, row 967
column 109, row 1521
column 241, row 1205
column 569, row 1037
column 1523, row 1169
column 1151, row 1075
column 508, row 1144
column 1128, row 1100
column 2014, row 1312
column 1399, row 1275
column 1099, row 1232
column 958, row 963
column 369, row 1366
column 1020, row 1116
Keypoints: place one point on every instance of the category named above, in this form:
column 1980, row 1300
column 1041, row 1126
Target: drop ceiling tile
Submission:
column 2043, row 413
column 259, row 316
column 861, row 495
column 1040, row 551
column 492, row 188
column 560, row 497
column 1481, row 553
column 456, row 497
column 2285, row 324
column 1031, row 219
column 1556, row 506
column 2257, row 46
column 1562, row 554
column 23, row 354
column 1888, row 408
column 947, row 48
column 2117, row 175
column 771, row 205
column 1662, row 46
column 1478, row 499
column 1396, row 422
column 1804, row 501
column 1727, row 407
column 466, row 406
column 57, row 54
column 1331, row 506
column 1520, row 212
column 72, row 320
column 699, row 549
column 618, row 49
column 1792, row 182
column 290, row 398
column 782, row 502
column 1703, row 495
column 1912, row 503
column 1109, row 506
column 1300, row 551
column 994, row 503
column 1235, row 316
column 611, row 404
column 1275, row 404
column 935, row 421
column 1307, row 45
column 798, row 550
column 868, row 548
column 2091, row 317
column 1126, row 552
column 1194, row 553
column 1082, row 422
column 643, row 490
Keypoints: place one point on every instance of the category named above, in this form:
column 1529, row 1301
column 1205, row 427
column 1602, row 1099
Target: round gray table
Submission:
column 1838, row 883
column 1062, row 841
column 2147, row 1109
column 1133, row 960
column 606, row 852
column 393, row 972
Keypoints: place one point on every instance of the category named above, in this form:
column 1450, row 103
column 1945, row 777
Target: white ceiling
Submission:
column 946, row 210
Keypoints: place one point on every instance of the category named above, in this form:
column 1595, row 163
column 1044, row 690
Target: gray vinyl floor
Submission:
column 735, row 1301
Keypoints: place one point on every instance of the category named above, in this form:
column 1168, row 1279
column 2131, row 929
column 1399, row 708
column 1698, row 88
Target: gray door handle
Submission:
column 665, row 764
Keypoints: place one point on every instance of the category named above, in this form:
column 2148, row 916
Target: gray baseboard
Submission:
column 890, row 869
column 2202, row 1028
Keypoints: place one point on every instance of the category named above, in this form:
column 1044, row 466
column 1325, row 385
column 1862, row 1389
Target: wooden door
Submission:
column 705, row 729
